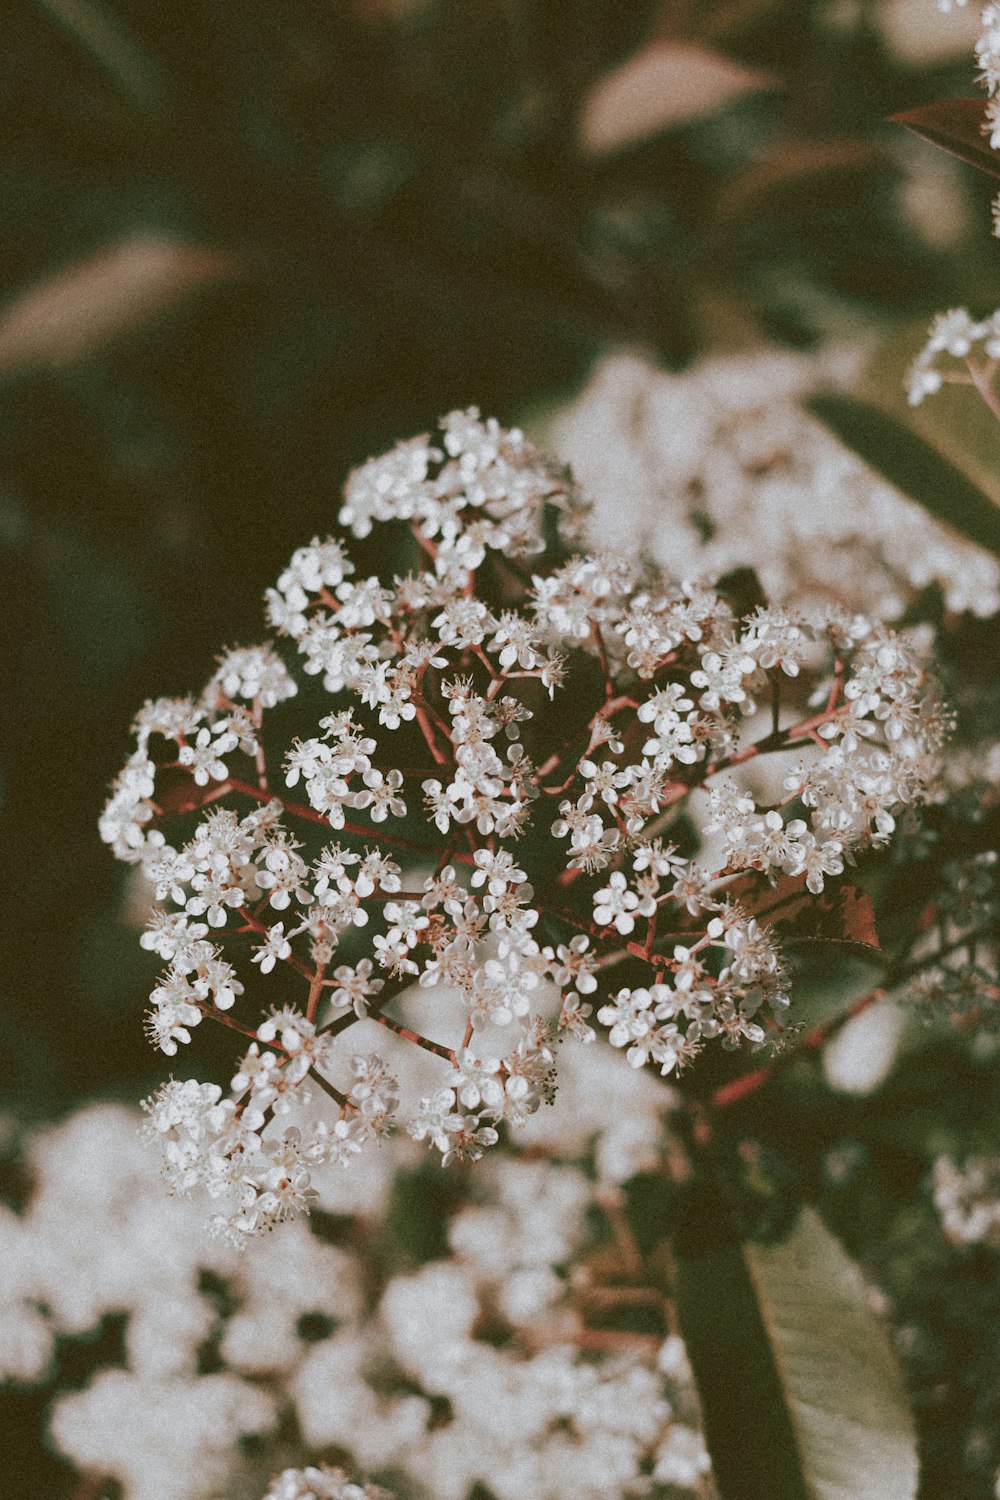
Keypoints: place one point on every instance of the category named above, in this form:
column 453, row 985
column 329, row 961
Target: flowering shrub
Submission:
column 558, row 723
column 486, row 1355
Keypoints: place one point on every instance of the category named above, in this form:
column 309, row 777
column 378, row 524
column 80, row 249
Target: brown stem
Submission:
column 341, row 1023
column 224, row 1020
column 481, row 656
column 732, row 1093
column 838, row 682
column 315, row 991
column 328, row 1088
column 252, row 924
column 260, row 759
column 427, row 731
column 377, row 835
column 598, row 639
column 415, row 1036
column 982, row 379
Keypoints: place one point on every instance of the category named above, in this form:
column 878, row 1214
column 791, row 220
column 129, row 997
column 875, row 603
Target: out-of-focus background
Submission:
column 246, row 246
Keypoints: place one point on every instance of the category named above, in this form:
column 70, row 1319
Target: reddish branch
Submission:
column 740, row 1088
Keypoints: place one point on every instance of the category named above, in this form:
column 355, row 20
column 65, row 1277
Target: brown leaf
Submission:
column 788, row 165
column 956, row 125
column 667, row 83
column 841, row 914
column 181, row 795
column 80, row 309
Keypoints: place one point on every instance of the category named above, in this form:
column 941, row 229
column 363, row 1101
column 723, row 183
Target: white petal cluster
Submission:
column 516, row 732
column 720, row 467
column 967, row 1197
column 957, row 349
column 143, row 1433
column 322, row 1483
column 475, row 1368
column 482, row 489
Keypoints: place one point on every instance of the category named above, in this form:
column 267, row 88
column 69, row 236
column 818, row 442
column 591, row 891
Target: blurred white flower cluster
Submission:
column 488, row 1364
column 968, row 1199
column 722, row 467
column 516, row 731
column 958, row 351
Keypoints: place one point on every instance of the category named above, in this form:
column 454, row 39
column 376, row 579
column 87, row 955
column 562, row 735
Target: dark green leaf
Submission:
column 956, row 125
column 801, row 1393
column 955, row 421
column 910, row 463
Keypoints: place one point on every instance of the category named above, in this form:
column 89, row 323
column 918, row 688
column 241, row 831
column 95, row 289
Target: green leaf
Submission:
column 909, row 461
column 800, row 1389
column 846, row 1397
column 956, row 125
column 955, row 421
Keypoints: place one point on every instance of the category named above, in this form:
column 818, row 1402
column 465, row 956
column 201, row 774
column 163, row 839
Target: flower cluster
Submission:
column 968, row 1199
column 486, row 806
column 322, row 1483
column 958, row 351
column 491, row 1365
column 988, row 58
column 721, row 467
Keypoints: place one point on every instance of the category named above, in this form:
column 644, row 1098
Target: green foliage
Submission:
column 954, row 421
column 802, row 1393
column 910, row 462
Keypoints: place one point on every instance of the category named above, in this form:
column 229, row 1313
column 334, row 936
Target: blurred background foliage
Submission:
column 245, row 246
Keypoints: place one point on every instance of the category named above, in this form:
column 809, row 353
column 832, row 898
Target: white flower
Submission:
column 476, row 1084
column 615, row 904
column 322, row 1483
column 254, row 673
column 355, row 987
column 381, row 795
column 274, row 947
column 203, row 758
